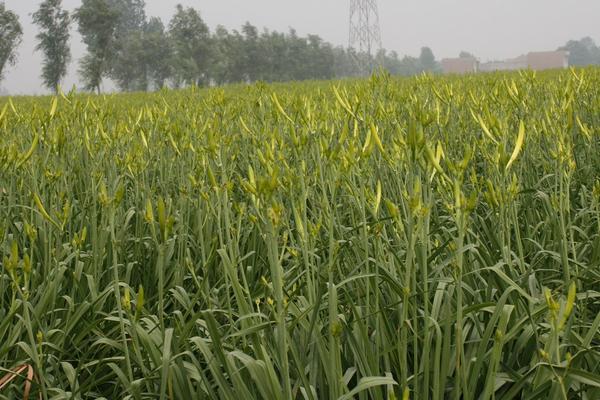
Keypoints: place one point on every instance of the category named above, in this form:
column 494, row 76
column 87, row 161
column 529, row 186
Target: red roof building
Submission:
column 463, row 65
column 537, row 61
column 542, row 60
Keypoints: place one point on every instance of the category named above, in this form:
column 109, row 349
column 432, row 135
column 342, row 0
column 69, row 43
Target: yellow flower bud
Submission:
column 149, row 214
column 126, row 300
column 139, row 304
column 27, row 265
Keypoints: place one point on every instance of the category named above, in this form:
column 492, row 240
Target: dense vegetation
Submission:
column 11, row 33
column 422, row 238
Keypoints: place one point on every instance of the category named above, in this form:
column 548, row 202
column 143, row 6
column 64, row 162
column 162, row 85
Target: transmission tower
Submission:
column 365, row 34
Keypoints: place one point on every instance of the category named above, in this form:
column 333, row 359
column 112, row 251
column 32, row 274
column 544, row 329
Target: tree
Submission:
column 223, row 56
column 129, row 68
column 465, row 54
column 275, row 60
column 227, row 57
column 582, row 52
column 98, row 21
column 319, row 58
column 191, row 41
column 132, row 16
column 253, row 59
column 113, row 31
column 53, row 40
column 11, row 33
column 427, row 60
column 344, row 62
column 157, row 52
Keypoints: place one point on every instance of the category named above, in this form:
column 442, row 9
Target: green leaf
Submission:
column 518, row 146
column 367, row 383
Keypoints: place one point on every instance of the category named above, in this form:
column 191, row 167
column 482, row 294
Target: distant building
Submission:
column 540, row 61
column 537, row 61
column 512, row 64
column 463, row 65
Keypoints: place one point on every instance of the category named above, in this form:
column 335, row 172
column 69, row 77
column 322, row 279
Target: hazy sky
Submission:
column 490, row 29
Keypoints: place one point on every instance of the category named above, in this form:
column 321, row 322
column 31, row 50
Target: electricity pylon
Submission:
column 365, row 33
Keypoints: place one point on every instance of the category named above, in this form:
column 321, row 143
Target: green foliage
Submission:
column 190, row 37
column 158, row 53
column 582, row 52
column 129, row 65
column 427, row 60
column 97, row 22
column 132, row 16
column 428, row 238
column 407, row 66
column 123, row 45
column 269, row 56
column 11, row 33
column 53, row 41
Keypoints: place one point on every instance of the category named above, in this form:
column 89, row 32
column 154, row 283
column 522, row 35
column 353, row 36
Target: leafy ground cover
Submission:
column 423, row 238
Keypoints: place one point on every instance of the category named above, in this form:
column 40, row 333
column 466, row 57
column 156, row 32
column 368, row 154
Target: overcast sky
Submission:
column 490, row 29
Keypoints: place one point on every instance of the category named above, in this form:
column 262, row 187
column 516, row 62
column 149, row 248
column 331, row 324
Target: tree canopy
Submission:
column 53, row 41
column 11, row 34
column 98, row 21
column 582, row 52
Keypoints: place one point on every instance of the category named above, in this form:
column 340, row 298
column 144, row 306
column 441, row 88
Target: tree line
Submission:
column 140, row 53
column 582, row 52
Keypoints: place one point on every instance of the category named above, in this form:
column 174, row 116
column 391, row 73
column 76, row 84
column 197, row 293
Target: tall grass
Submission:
column 424, row 238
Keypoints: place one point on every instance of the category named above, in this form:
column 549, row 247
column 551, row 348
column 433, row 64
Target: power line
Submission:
column 365, row 32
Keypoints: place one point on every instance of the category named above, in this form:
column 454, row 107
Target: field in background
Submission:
column 423, row 238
